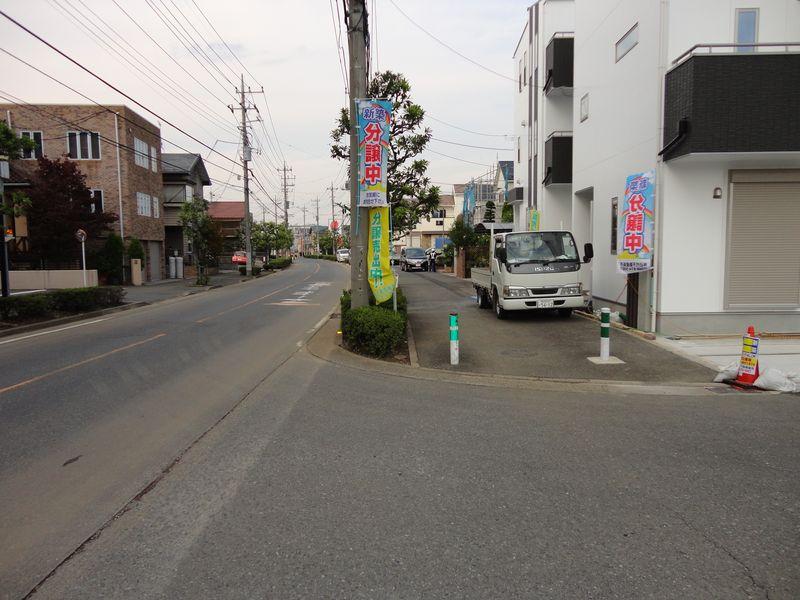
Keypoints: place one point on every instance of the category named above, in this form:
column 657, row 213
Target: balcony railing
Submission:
column 559, row 61
column 767, row 47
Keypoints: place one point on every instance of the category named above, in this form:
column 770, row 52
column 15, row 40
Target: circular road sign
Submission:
column 80, row 235
column 335, row 224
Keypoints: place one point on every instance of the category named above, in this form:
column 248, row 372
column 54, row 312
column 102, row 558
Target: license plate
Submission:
column 545, row 304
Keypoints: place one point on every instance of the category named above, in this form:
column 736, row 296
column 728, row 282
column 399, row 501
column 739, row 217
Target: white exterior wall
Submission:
column 521, row 127
column 622, row 135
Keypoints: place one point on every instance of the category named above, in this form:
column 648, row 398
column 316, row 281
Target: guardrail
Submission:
column 772, row 47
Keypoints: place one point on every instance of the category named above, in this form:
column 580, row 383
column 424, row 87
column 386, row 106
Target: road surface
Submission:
column 327, row 481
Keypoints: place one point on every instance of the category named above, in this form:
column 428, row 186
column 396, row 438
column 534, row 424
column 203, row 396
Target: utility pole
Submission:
column 304, row 210
column 286, row 185
column 359, row 226
column 246, row 154
column 333, row 217
column 316, row 228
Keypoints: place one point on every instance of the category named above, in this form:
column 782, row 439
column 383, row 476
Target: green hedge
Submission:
column 54, row 303
column 322, row 256
column 279, row 263
column 374, row 330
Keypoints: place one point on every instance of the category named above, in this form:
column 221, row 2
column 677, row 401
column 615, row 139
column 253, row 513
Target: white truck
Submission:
column 532, row 270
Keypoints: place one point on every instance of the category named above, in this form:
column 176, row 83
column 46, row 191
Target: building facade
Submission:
column 117, row 150
column 704, row 94
column 432, row 230
column 184, row 177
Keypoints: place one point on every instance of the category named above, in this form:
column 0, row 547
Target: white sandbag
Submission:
column 729, row 371
column 777, row 380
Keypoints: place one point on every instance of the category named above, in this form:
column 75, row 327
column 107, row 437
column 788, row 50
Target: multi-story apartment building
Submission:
column 543, row 93
column 117, row 150
column 705, row 96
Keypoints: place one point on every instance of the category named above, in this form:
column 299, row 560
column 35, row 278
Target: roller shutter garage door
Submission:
column 763, row 266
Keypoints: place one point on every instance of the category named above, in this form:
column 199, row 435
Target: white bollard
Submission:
column 605, row 330
column 453, row 338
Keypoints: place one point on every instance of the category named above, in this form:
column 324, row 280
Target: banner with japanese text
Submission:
column 381, row 278
column 374, row 125
column 636, row 224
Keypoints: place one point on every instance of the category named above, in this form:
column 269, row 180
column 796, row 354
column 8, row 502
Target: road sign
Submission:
column 80, row 235
column 9, row 234
column 335, row 225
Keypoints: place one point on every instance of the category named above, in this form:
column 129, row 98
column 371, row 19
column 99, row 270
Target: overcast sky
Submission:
column 290, row 48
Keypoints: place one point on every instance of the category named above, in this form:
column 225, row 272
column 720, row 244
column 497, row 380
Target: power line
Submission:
column 116, row 89
column 462, row 129
column 471, row 146
column 161, row 85
column 184, row 69
column 472, row 162
column 339, row 50
column 453, row 50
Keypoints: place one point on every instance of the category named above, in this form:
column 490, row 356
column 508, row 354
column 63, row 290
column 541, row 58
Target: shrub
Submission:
column 279, row 263
column 135, row 249
column 256, row 269
column 242, row 270
column 321, row 256
column 373, row 330
column 74, row 300
column 109, row 259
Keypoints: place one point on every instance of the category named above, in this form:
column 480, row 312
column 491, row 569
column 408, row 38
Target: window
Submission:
column 519, row 158
column 439, row 214
column 97, row 201
column 140, row 153
column 143, row 206
column 614, row 221
column 584, row 107
column 189, row 193
column 525, row 69
column 153, row 159
column 746, row 28
column 627, row 42
column 520, row 75
column 83, row 145
column 36, row 136
column 156, row 208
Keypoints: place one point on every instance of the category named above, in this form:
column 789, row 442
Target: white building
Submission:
column 660, row 85
column 432, row 230
column 543, row 115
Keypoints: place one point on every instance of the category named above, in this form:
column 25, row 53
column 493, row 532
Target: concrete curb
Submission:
column 323, row 345
column 413, row 357
column 70, row 319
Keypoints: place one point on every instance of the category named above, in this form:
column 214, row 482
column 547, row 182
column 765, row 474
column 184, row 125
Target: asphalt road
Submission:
column 91, row 414
column 330, row 481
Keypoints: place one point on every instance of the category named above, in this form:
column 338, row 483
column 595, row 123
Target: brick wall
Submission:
column 54, row 121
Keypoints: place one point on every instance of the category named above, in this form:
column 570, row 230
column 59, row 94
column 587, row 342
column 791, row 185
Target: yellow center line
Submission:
column 77, row 364
column 278, row 291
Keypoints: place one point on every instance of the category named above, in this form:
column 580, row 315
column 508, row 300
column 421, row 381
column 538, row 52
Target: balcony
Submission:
column 733, row 98
column 558, row 158
column 559, row 63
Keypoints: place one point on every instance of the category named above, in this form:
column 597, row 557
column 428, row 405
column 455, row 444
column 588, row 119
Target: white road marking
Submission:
column 32, row 335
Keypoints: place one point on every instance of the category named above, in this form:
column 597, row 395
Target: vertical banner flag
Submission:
column 534, row 217
column 374, row 124
column 636, row 224
column 381, row 278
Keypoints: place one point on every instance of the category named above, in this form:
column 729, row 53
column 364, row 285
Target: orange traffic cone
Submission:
column 749, row 355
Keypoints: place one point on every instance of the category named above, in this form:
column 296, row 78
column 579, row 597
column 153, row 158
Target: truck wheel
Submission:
column 565, row 313
column 483, row 299
column 499, row 311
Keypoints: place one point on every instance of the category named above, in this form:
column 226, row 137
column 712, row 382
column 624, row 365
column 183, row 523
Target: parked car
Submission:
column 343, row 255
column 413, row 258
column 239, row 257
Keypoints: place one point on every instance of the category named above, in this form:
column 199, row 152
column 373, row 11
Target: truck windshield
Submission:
column 541, row 246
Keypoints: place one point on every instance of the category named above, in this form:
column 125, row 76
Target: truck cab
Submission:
column 532, row 270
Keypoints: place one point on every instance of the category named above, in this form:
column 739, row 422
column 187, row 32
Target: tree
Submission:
column 461, row 234
column 325, row 242
column 410, row 193
column 60, row 204
column 109, row 259
column 507, row 214
column 12, row 145
column 204, row 233
column 135, row 249
column 488, row 214
column 267, row 237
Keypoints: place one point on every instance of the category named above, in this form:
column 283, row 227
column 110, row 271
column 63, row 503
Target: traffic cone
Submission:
column 747, row 379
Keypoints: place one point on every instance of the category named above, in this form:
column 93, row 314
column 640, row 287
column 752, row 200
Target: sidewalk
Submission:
column 529, row 344
column 173, row 288
column 776, row 353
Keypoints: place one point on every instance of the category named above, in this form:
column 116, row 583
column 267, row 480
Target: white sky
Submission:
column 290, row 47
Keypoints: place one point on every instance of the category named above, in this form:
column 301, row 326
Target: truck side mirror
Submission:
column 500, row 254
column 588, row 252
